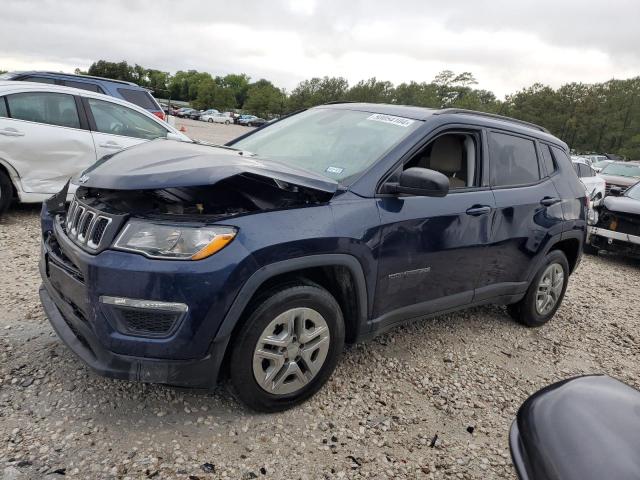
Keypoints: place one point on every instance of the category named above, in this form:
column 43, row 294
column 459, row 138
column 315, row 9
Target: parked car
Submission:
column 618, row 226
column 583, row 428
column 50, row 133
column 216, row 118
column 258, row 260
column 251, row 121
column 210, row 111
column 620, row 174
column 115, row 88
column 599, row 165
column 594, row 185
column 186, row 112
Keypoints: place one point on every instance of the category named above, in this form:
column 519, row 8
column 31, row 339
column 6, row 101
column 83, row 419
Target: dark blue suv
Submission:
column 184, row 263
column 127, row 91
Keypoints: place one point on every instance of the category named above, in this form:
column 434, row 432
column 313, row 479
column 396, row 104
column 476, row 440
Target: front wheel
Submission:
column 545, row 294
column 287, row 349
column 6, row 192
column 227, row 122
column 210, row 120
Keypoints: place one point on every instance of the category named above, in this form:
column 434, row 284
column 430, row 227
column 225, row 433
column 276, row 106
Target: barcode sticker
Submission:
column 398, row 121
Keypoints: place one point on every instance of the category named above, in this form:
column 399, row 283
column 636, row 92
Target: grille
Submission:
column 148, row 323
column 607, row 188
column 85, row 226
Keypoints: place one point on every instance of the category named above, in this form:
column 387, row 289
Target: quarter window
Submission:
column 547, row 159
column 513, row 160
column 119, row 120
column 45, row 107
column 139, row 97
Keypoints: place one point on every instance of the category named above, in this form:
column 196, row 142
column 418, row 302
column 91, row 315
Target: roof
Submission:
column 71, row 75
column 423, row 113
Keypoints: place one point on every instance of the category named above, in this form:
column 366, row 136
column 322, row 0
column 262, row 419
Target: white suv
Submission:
column 50, row 133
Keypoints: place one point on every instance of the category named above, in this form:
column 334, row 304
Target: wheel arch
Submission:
column 349, row 279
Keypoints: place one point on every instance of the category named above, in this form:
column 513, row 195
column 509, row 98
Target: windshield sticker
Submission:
column 398, row 121
column 336, row 170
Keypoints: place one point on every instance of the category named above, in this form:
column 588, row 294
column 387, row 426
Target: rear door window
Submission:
column 141, row 98
column 117, row 119
column 50, row 81
column 3, row 107
column 44, row 107
column 513, row 160
column 83, row 86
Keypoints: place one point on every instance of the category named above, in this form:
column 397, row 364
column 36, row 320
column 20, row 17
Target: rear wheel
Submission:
column 6, row 192
column 545, row 294
column 210, row 120
column 227, row 122
column 287, row 349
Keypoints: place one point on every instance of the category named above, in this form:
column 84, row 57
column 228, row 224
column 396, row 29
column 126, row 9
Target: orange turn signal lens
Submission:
column 217, row 244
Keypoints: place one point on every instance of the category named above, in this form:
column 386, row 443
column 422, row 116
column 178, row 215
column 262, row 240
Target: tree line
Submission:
column 599, row 118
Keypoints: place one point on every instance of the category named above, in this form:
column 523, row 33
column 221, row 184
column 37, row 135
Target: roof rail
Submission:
column 337, row 102
column 491, row 115
column 83, row 76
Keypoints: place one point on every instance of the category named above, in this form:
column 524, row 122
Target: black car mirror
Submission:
column 420, row 182
column 615, row 191
column 584, row 428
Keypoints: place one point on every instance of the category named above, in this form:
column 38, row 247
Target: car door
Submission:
column 45, row 139
column 432, row 249
column 528, row 213
column 115, row 126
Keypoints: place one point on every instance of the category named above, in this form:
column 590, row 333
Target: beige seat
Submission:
column 446, row 157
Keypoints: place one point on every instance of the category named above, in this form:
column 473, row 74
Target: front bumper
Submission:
column 74, row 332
column 614, row 241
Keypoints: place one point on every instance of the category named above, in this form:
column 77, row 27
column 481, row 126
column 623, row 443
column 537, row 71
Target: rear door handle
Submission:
column 11, row 132
column 479, row 210
column 548, row 201
column 111, row 145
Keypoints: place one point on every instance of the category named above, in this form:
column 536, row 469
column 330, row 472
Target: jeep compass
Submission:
column 254, row 262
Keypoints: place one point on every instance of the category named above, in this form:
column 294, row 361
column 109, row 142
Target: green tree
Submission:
column 371, row 90
column 317, row 91
column 264, row 99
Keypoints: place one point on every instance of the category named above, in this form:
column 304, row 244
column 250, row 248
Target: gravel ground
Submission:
column 433, row 399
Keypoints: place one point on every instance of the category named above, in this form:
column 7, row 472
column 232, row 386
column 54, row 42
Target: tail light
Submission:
column 160, row 115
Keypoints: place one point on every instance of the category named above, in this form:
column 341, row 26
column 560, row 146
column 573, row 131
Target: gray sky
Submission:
column 507, row 44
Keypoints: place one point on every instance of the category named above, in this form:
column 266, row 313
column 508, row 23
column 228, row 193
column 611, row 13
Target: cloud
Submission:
column 506, row 44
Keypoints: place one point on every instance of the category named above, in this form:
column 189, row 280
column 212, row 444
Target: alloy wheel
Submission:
column 549, row 288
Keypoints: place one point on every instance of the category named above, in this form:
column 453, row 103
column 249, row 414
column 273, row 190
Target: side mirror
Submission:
column 615, row 191
column 174, row 136
column 420, row 182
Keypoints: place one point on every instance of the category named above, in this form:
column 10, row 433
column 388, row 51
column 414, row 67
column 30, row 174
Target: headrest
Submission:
column 446, row 154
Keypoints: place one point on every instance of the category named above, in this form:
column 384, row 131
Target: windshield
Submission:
column 622, row 169
column 601, row 163
column 634, row 192
column 336, row 143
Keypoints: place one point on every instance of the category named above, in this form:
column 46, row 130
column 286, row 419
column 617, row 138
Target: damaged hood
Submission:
column 166, row 164
column 622, row 204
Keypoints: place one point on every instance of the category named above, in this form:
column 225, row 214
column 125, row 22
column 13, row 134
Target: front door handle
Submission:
column 11, row 132
column 479, row 210
column 111, row 145
column 548, row 201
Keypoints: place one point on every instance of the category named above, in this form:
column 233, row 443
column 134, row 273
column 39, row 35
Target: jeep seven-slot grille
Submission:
column 86, row 227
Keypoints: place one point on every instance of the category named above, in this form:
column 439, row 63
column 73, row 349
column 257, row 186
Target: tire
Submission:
column 590, row 249
column 6, row 192
column 527, row 310
column 227, row 122
column 210, row 120
column 261, row 374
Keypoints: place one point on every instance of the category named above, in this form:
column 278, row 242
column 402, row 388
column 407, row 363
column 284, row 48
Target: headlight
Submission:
column 177, row 242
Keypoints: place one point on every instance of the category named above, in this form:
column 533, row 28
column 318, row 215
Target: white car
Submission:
column 594, row 185
column 50, row 133
column 217, row 118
